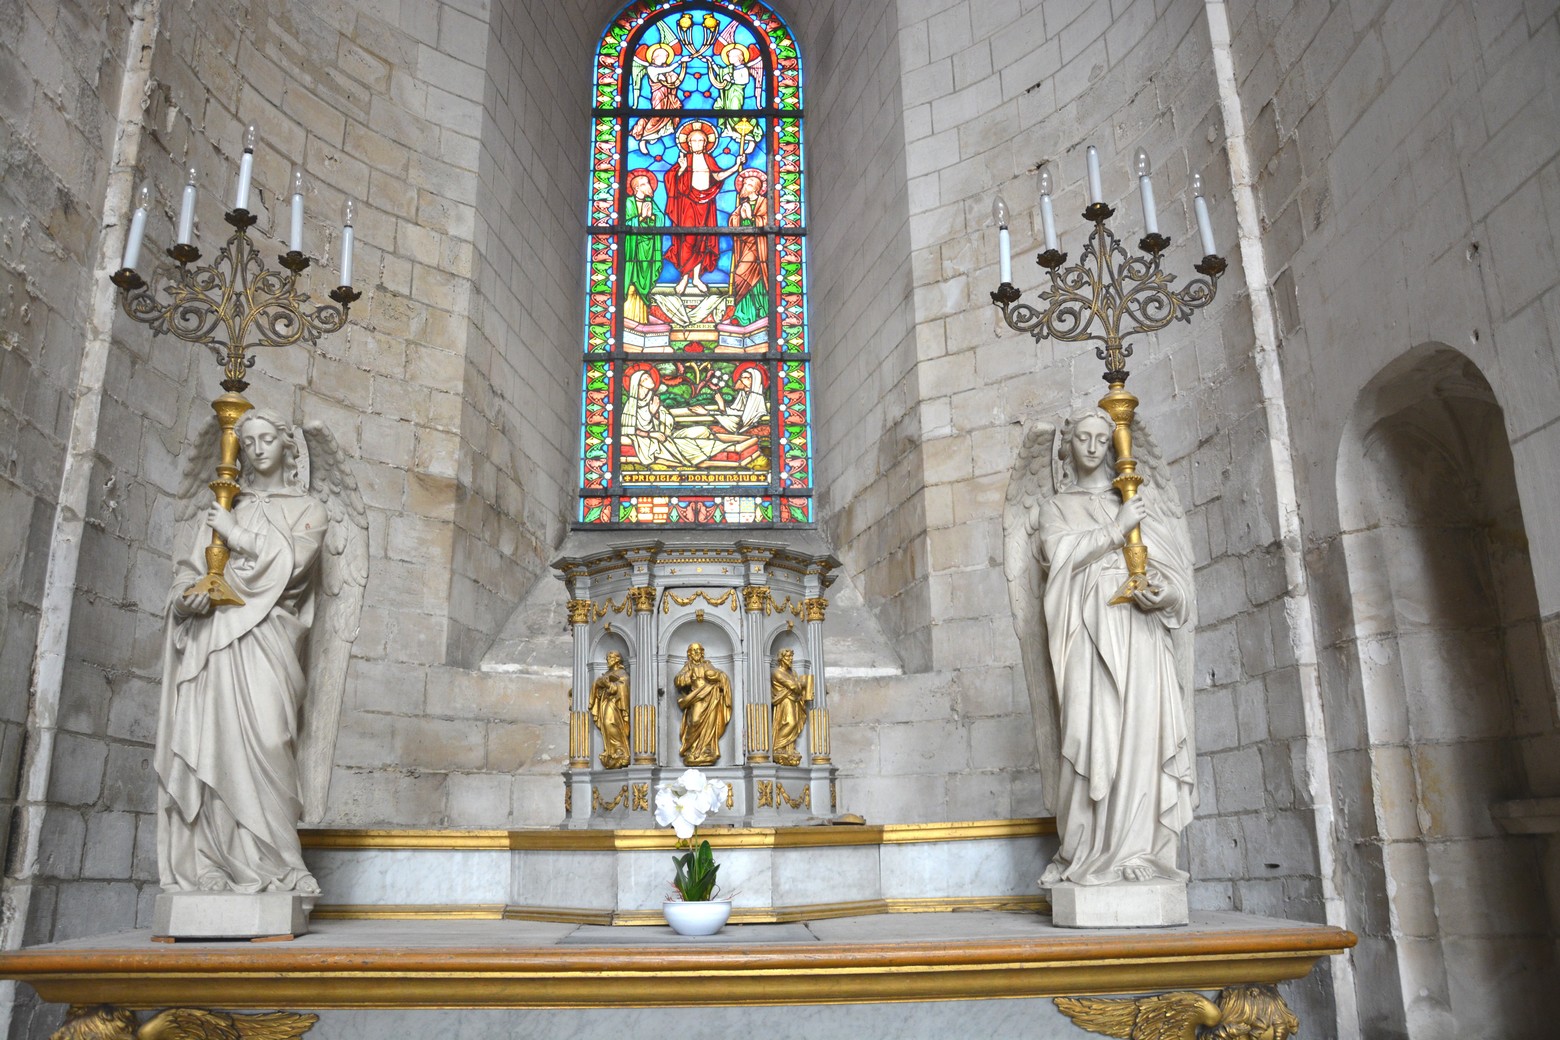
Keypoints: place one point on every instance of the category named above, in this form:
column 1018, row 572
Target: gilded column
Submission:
column 813, row 609
column 644, row 725
column 579, row 697
column 758, row 724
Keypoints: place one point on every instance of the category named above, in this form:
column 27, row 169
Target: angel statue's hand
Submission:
column 1158, row 595
column 196, row 604
column 221, row 521
column 1131, row 514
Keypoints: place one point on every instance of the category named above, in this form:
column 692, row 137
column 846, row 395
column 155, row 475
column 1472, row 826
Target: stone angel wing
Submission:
column 197, row 1024
column 343, row 563
column 1162, row 1016
column 200, row 468
column 1032, row 482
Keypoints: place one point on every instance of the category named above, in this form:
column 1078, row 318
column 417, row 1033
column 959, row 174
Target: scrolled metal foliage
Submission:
column 1107, row 295
column 225, row 303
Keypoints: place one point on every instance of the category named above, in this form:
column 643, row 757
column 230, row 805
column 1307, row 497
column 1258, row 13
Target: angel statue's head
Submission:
column 270, row 447
column 1083, row 444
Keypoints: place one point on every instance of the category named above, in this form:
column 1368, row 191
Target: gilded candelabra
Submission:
column 1107, row 296
column 232, row 305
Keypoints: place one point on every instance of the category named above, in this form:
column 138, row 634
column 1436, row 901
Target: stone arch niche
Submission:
column 1458, row 709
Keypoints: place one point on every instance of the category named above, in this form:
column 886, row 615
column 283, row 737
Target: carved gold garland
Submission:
column 1241, row 1011
column 600, row 804
column 102, row 1022
column 670, row 597
column 772, row 793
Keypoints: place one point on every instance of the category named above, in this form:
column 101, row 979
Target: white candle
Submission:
column 999, row 213
column 187, row 210
column 346, row 242
column 1144, row 170
column 246, row 169
column 296, row 239
column 1204, row 227
column 1047, row 213
column 1096, row 192
column 143, row 202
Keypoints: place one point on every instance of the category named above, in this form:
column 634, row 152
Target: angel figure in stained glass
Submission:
column 252, row 693
column 737, row 73
column 664, row 70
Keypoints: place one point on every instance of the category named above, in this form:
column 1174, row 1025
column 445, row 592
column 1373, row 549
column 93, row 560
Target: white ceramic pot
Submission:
column 705, row 917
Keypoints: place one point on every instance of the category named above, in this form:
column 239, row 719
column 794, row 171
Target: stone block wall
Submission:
column 519, row 443
column 866, row 432
column 1407, row 177
column 60, row 82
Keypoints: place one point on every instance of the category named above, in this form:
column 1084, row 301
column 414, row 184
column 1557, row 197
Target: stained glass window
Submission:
column 695, row 399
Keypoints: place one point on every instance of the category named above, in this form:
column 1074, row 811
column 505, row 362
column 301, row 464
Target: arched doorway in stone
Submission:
column 1458, row 708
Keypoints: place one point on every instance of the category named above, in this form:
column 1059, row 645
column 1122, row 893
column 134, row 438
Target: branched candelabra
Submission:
column 1107, row 296
column 232, row 306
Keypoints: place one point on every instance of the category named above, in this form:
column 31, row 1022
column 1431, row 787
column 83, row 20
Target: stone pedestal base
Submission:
column 1125, row 904
column 230, row 915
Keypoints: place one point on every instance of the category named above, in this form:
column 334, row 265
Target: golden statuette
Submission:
column 790, row 694
column 609, row 711
column 99, row 1022
column 704, row 695
column 1257, row 1012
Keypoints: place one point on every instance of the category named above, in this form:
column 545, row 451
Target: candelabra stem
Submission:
column 1120, row 405
column 230, row 407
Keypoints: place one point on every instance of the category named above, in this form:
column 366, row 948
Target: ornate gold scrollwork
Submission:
column 641, row 599
column 804, row 799
column 757, row 599
column 730, row 798
column 568, row 799
column 641, row 797
column 600, row 804
column 1241, row 1011
column 813, row 608
column 100, row 1022
column 766, row 794
column 579, row 611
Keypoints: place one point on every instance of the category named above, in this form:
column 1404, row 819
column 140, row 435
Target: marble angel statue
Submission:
column 1110, row 686
column 251, row 694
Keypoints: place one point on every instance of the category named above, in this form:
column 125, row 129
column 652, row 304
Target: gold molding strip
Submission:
column 361, row 965
column 790, row 914
column 409, row 912
column 558, row 839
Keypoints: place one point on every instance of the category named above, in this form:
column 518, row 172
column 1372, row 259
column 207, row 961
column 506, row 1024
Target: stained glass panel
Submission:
column 696, row 281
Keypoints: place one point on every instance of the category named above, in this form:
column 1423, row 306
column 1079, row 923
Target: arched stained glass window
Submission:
column 695, row 394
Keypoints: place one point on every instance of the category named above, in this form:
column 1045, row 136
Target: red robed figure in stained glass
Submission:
column 691, row 187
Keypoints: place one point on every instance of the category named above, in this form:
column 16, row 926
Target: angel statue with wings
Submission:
column 251, row 694
column 1110, row 685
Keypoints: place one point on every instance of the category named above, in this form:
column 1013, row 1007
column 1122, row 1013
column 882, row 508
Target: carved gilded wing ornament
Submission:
column 1257, row 1012
column 100, row 1022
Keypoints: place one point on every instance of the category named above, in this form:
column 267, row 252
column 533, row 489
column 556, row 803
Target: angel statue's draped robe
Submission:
column 233, row 686
column 1126, row 784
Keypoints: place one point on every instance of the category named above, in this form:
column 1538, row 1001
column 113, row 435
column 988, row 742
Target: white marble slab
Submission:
column 410, row 876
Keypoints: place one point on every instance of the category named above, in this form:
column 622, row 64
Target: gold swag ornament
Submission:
column 1257, row 1012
